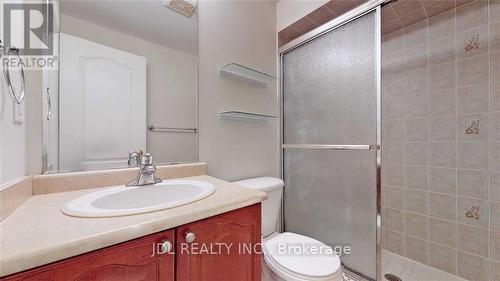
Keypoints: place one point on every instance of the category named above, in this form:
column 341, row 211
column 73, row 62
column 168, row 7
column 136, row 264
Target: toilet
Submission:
column 286, row 254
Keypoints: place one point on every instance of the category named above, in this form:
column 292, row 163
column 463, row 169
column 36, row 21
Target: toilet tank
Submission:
column 270, row 207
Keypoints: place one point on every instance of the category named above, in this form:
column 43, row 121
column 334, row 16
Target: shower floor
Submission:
column 404, row 268
column 409, row 270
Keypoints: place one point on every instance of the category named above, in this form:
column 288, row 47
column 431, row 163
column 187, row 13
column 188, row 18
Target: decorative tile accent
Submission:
column 472, row 211
column 472, row 127
column 471, row 43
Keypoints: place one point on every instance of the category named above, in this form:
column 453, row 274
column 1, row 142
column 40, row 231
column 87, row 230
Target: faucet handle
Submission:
column 134, row 158
column 147, row 159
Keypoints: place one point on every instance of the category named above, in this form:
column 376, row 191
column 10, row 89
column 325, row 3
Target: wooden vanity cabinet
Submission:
column 226, row 247
column 129, row 261
column 142, row 259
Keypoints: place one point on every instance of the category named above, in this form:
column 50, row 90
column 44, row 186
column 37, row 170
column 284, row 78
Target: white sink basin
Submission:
column 123, row 201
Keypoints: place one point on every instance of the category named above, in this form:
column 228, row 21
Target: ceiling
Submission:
column 146, row 19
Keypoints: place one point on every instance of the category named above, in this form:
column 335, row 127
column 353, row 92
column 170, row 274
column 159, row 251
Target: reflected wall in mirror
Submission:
column 123, row 65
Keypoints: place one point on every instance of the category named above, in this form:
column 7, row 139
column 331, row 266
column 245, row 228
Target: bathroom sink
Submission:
column 123, row 201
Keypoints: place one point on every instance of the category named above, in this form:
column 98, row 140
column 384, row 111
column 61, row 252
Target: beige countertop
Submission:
column 38, row 233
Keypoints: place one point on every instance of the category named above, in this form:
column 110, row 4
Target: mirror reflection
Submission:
column 126, row 83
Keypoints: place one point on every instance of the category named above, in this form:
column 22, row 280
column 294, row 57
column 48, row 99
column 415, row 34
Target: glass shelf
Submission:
column 241, row 115
column 245, row 74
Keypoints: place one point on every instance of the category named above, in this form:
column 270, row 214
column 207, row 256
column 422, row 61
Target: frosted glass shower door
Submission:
column 330, row 130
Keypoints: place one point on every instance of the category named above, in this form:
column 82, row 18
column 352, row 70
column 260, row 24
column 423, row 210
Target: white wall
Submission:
column 171, row 86
column 243, row 32
column 17, row 141
column 290, row 11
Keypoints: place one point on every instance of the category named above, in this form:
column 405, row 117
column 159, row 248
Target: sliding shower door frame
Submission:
column 358, row 12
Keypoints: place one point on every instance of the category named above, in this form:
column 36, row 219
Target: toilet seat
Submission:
column 301, row 265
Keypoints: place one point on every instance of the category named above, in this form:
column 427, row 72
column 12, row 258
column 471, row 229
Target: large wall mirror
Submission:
column 126, row 81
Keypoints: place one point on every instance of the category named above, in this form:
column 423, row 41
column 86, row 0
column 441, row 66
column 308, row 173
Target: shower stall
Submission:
column 391, row 138
column 331, row 136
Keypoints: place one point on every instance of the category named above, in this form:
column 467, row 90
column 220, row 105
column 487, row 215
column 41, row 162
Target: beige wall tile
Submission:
column 442, row 25
column 394, row 60
column 393, row 175
column 473, row 70
column 472, row 42
column 473, row 155
column 442, row 102
column 495, row 270
column 393, row 153
column 417, row 225
column 417, row 249
column 443, row 258
column 416, row 177
column 495, row 96
column 393, row 110
column 416, row 201
column 442, row 76
column 442, row 50
column 463, row 203
column 443, row 180
column 472, row 15
column 394, row 242
column 416, row 130
column 472, row 183
column 472, row 267
column 495, row 245
column 473, row 240
column 394, row 197
column 495, row 125
column 415, row 34
column 442, row 128
column 494, row 14
column 495, row 66
column 495, row 156
column 473, row 99
column 416, row 153
column 433, row 7
column 495, row 186
column 393, row 42
column 495, row 36
column 416, row 106
column 393, row 219
column 443, row 232
column 473, row 127
column 416, row 59
column 495, row 216
column 442, row 206
column 393, row 130
column 395, row 82
column 443, row 154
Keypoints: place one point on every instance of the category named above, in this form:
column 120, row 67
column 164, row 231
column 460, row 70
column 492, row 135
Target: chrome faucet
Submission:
column 147, row 172
column 134, row 158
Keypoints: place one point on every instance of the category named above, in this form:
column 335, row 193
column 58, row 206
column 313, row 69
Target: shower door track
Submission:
column 360, row 11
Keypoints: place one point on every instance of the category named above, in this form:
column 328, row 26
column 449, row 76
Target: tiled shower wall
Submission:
column 441, row 141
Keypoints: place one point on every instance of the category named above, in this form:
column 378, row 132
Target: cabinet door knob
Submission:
column 166, row 246
column 190, row 237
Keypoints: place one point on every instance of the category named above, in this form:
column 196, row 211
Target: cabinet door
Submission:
column 136, row 260
column 223, row 247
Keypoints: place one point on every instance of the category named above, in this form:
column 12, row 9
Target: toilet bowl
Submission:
column 291, row 256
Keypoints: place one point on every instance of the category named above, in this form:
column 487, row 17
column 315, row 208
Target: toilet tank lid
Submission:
column 262, row 183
